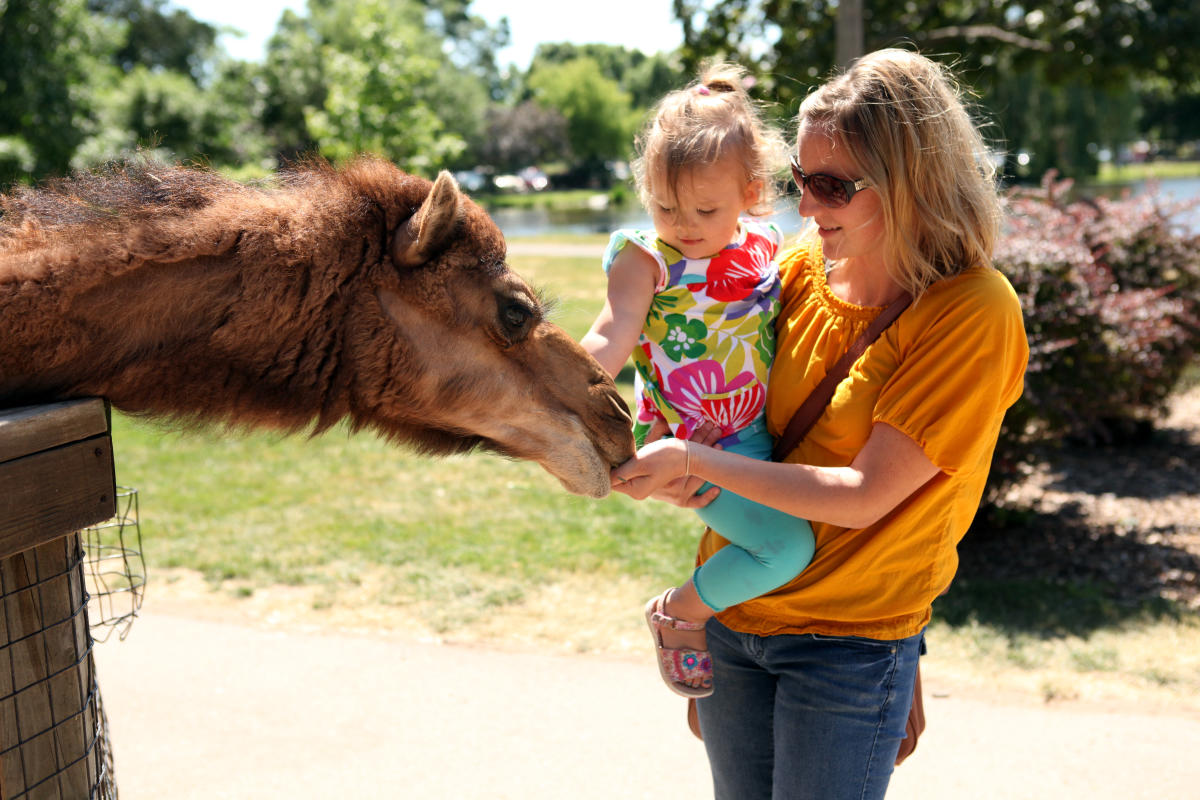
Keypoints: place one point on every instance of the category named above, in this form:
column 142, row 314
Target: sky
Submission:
column 645, row 25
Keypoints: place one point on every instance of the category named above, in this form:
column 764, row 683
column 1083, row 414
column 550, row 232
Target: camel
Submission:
column 360, row 293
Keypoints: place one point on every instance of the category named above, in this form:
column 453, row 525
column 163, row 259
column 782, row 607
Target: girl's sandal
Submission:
column 678, row 666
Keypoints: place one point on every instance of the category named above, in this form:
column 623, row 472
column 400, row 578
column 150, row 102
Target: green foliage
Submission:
column 157, row 110
column 1053, row 72
column 16, row 157
column 1111, row 295
column 50, row 50
column 1170, row 111
column 158, row 38
column 646, row 78
column 293, row 80
column 376, row 58
column 84, row 81
column 475, row 42
column 599, row 113
column 369, row 75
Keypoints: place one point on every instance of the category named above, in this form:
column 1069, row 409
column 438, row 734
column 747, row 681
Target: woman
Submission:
column 815, row 679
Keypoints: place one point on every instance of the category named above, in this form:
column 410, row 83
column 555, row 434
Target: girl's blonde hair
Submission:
column 901, row 120
column 712, row 118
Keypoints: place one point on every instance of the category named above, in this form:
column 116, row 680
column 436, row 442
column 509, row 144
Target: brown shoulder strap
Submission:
column 808, row 412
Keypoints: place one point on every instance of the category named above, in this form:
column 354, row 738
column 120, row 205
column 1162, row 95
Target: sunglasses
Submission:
column 827, row 190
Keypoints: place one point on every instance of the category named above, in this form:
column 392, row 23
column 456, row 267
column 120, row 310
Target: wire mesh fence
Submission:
column 116, row 569
column 53, row 740
column 56, row 600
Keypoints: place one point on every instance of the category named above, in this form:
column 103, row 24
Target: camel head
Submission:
column 361, row 293
column 486, row 366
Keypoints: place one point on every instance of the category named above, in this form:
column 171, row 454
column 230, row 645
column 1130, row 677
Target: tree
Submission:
column 51, row 55
column 1170, row 112
column 377, row 76
column 474, row 43
column 849, row 31
column 645, row 77
column 600, row 118
column 293, row 81
column 158, row 38
column 1081, row 55
column 522, row 135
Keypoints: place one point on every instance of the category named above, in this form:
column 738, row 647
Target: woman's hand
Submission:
column 657, row 470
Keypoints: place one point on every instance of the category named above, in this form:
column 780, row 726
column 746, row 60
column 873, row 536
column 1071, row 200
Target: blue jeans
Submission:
column 805, row 717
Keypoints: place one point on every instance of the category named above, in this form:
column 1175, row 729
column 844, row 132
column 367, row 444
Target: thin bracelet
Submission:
column 687, row 459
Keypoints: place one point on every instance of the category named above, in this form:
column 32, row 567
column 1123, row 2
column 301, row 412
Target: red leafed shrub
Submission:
column 1111, row 295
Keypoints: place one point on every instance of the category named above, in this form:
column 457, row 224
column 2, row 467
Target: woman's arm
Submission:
column 888, row 469
column 614, row 334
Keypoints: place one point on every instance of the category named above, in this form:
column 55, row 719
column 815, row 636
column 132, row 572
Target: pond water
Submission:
column 1182, row 190
column 539, row 221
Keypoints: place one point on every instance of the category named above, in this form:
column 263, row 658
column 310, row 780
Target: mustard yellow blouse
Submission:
column 943, row 374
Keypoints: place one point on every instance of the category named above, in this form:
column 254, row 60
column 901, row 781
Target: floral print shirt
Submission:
column 709, row 338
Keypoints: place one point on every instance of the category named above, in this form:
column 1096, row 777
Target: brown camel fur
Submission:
column 361, row 293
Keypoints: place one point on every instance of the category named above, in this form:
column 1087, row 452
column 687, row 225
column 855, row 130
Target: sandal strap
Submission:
column 664, row 621
column 683, row 665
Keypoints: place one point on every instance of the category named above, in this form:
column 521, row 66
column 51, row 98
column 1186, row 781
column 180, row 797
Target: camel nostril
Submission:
column 619, row 407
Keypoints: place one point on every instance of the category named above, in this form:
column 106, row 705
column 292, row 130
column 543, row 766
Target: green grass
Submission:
column 269, row 509
column 1131, row 173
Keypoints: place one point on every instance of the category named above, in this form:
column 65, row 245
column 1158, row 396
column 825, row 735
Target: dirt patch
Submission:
column 573, row 614
column 1127, row 516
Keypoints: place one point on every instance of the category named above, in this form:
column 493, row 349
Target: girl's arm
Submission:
column 888, row 469
column 614, row 334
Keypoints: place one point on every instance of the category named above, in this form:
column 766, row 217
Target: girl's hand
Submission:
column 657, row 469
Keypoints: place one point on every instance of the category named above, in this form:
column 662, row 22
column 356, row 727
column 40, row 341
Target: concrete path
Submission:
column 201, row 709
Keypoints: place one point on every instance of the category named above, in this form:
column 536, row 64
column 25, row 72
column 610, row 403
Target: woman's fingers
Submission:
column 682, row 492
column 695, row 500
column 656, row 470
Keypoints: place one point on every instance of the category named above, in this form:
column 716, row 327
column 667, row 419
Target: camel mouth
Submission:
column 596, row 485
column 581, row 470
column 597, row 493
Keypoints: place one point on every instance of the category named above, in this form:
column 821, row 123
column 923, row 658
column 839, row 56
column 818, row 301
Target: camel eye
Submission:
column 515, row 316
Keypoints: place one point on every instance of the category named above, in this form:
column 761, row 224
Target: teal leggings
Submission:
column 767, row 547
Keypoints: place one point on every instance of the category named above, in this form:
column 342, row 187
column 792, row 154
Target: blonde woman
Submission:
column 815, row 679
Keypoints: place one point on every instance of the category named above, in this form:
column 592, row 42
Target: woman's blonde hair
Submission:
column 712, row 118
column 902, row 122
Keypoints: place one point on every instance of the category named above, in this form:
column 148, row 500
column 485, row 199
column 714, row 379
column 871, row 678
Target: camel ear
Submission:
column 427, row 231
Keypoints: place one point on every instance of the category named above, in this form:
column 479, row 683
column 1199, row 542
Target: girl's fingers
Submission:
column 658, row 429
column 706, row 433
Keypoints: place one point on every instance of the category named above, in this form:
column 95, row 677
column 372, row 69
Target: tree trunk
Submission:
column 849, row 31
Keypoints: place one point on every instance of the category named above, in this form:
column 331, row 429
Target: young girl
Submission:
column 695, row 301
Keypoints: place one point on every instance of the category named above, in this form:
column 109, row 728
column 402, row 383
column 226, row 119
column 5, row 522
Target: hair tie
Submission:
column 702, row 89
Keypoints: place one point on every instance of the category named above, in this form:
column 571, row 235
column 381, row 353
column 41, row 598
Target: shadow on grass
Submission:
column 1148, row 464
column 1050, row 576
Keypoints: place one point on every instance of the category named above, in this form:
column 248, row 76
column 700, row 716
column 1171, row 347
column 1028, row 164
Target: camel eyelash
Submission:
column 548, row 306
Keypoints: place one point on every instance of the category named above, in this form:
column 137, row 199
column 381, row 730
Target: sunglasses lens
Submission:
column 828, row 191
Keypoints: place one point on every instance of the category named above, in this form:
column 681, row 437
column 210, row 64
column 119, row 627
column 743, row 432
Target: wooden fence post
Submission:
column 56, row 476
